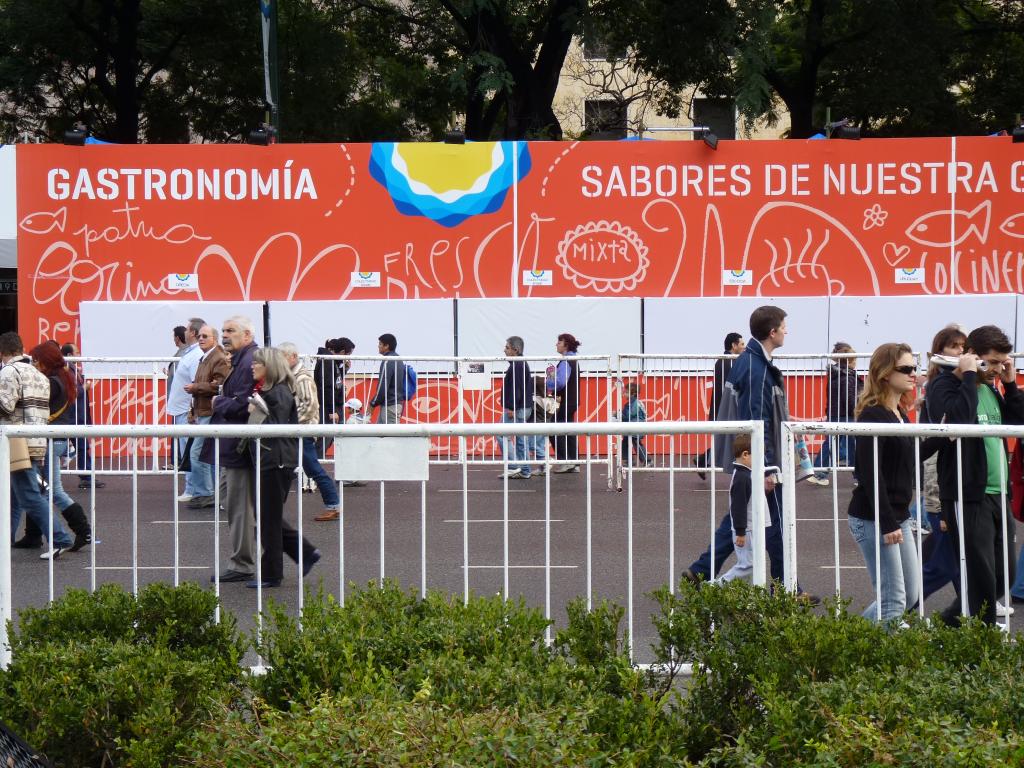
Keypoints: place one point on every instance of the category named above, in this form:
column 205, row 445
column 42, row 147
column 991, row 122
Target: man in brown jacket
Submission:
column 214, row 367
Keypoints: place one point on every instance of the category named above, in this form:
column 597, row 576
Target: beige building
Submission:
column 603, row 97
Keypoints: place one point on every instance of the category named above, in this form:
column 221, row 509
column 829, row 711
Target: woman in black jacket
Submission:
column 883, row 531
column 273, row 402
column 565, row 385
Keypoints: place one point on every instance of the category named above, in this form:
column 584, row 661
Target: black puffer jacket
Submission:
column 278, row 452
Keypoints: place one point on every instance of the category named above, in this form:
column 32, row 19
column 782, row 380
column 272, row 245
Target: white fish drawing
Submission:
column 1013, row 225
column 937, row 228
column 44, row 222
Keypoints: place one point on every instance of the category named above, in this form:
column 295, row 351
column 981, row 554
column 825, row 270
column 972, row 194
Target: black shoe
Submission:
column 231, row 575
column 691, row 577
column 28, row 542
column 201, row 502
column 266, row 583
column 309, row 562
column 85, row 485
column 81, row 540
column 700, row 473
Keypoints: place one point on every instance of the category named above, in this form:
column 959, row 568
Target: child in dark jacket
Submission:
column 633, row 411
column 740, row 492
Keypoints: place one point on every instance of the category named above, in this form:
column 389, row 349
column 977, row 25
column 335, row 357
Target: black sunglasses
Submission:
column 906, row 370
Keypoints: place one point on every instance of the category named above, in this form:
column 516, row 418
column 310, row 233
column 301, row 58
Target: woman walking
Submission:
column 878, row 514
column 564, row 384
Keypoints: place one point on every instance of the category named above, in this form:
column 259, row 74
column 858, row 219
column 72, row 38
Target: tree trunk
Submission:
column 126, row 89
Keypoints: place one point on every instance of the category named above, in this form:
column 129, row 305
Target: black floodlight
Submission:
column 76, row 135
column 1018, row 134
column 709, row 138
column 843, row 129
column 454, row 137
column 262, row 135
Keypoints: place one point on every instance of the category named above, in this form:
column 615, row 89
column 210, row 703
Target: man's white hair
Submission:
column 243, row 323
column 288, row 348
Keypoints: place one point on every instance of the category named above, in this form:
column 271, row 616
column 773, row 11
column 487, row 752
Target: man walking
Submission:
column 214, row 367
column 308, row 407
column 516, row 406
column 25, row 399
column 231, row 406
column 390, row 394
column 967, row 394
column 179, row 401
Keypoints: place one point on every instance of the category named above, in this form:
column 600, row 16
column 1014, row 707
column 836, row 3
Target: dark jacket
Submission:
column 517, row 389
column 329, row 376
column 58, row 400
column 569, row 395
column 722, row 369
column 232, row 407
column 278, row 452
column 390, row 382
column 895, row 473
column 844, row 386
column 761, row 395
column 954, row 401
column 740, row 491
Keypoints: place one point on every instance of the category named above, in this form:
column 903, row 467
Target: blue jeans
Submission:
column 723, row 544
column 179, row 451
column 638, row 444
column 1017, row 588
column 844, row 443
column 941, row 565
column 898, row 569
column 27, row 497
column 202, row 473
column 518, row 449
column 60, row 496
column 313, row 469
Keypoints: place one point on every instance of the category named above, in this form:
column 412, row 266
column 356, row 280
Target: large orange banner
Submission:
column 875, row 217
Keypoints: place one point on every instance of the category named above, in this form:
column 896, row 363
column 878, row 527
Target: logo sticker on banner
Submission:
column 537, row 276
column 366, row 279
column 914, row 275
column 183, row 282
column 738, row 277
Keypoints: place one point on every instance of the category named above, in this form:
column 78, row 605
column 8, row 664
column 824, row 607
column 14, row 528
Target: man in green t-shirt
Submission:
column 968, row 394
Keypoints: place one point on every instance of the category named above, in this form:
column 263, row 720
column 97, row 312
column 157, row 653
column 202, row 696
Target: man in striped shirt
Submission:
column 309, row 409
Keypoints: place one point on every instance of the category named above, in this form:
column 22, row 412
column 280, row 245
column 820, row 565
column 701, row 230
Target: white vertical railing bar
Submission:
column 878, row 533
column 342, row 514
column 964, row 607
column 6, row 584
column 547, row 565
column 835, row 507
column 135, row 515
column 92, row 525
column 788, row 505
column 300, row 478
column 920, row 526
column 504, row 518
column 590, row 528
column 216, row 524
column 423, row 539
column 1007, row 600
column 175, row 458
column 758, row 505
column 629, row 551
column 50, row 518
column 380, row 581
column 259, row 548
column 672, row 515
column 463, row 450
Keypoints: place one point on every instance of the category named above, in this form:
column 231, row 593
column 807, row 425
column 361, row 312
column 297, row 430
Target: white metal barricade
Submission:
column 919, row 432
column 129, row 520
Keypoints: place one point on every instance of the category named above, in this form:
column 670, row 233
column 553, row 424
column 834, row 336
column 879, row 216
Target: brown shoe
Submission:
column 328, row 515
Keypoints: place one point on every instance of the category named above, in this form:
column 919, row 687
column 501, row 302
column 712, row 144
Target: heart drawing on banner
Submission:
column 894, row 254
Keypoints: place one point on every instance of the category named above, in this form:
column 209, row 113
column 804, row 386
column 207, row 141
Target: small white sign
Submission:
column 738, row 277
column 183, row 282
column 915, row 276
column 382, row 458
column 474, row 376
column 365, row 280
column 537, row 276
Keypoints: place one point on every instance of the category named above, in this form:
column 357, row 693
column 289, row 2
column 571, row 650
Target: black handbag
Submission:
column 185, row 465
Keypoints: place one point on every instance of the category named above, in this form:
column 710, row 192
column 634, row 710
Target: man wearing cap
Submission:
column 308, row 406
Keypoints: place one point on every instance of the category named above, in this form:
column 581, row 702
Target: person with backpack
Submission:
column 392, row 385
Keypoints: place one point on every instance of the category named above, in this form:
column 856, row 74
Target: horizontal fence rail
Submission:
column 349, row 434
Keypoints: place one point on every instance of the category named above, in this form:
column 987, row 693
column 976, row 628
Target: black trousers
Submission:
column 277, row 535
column 564, row 446
column 983, row 555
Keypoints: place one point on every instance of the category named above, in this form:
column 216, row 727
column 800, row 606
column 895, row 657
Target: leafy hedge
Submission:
column 389, row 679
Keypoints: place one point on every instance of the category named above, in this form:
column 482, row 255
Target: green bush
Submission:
column 108, row 679
column 777, row 684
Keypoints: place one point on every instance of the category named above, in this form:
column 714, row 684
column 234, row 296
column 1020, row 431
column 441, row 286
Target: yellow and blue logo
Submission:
column 365, row 275
column 448, row 184
column 738, row 272
column 537, row 272
column 182, row 276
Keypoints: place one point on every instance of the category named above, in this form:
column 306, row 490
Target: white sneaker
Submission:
column 512, row 473
column 54, row 553
column 1003, row 610
column 186, row 497
column 565, row 469
column 815, row 480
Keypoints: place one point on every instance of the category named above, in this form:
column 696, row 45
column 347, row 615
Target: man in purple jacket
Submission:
column 231, row 406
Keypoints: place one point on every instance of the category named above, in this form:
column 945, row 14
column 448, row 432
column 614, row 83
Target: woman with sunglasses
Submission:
column 878, row 515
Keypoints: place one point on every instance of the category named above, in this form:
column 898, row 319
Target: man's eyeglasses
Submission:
column 906, row 370
column 205, row 336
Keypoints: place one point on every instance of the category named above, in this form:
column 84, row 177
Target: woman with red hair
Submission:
column 48, row 358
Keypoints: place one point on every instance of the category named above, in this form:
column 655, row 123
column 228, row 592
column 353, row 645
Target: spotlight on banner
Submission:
column 1018, row 134
column 262, row 135
column 709, row 138
column 843, row 129
column 76, row 135
column 454, row 137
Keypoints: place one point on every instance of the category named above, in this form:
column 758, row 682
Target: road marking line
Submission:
column 844, row 567
column 487, row 490
column 501, row 520
column 552, row 567
column 149, row 567
column 185, row 522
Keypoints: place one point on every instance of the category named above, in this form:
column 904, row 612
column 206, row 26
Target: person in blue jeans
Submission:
column 882, row 529
column 516, row 408
column 308, row 408
column 844, row 386
column 633, row 411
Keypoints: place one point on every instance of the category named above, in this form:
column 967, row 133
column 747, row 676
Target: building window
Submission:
column 717, row 114
column 596, row 47
column 604, row 119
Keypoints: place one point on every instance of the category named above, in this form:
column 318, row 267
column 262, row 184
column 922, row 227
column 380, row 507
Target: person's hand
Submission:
column 770, row 481
column 190, row 388
column 942, row 526
column 741, row 541
column 968, row 362
column 1008, row 373
column 252, row 407
column 334, row 418
column 895, row 537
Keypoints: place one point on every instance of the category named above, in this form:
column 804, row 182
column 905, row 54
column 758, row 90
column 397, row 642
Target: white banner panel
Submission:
column 868, row 321
column 8, row 207
column 696, row 326
column 423, row 327
column 603, row 326
column 145, row 328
